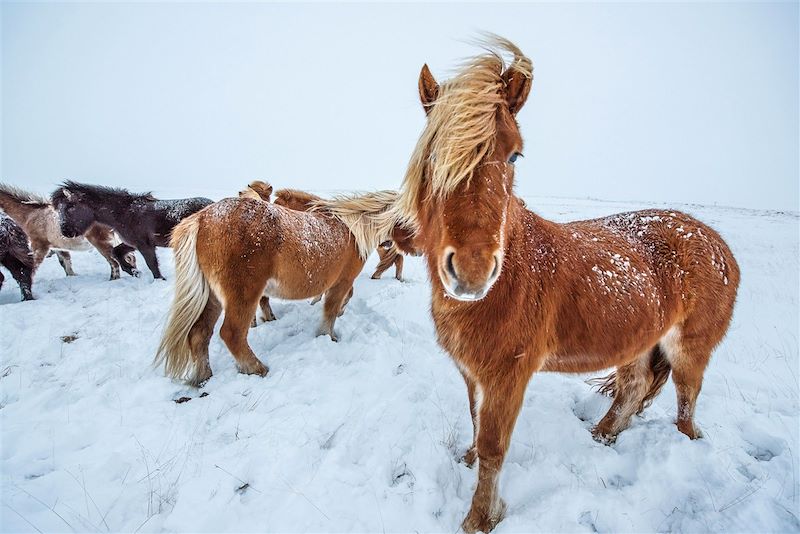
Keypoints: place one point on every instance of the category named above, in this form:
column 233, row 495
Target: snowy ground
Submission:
column 363, row 435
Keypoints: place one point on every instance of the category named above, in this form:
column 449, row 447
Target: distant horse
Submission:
column 16, row 255
column 647, row 292
column 39, row 220
column 141, row 220
column 257, row 190
column 389, row 255
column 228, row 254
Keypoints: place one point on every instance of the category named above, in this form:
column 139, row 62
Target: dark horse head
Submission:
column 78, row 204
column 75, row 214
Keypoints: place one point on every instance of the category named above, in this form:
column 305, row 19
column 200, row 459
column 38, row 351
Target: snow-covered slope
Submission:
column 364, row 435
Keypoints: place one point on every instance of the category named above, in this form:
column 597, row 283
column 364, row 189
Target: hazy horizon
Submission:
column 689, row 103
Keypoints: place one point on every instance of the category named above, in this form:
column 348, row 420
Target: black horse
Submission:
column 16, row 255
column 142, row 221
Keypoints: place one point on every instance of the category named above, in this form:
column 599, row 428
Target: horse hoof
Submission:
column 691, row 431
column 484, row 521
column 259, row 369
column 268, row 319
column 603, row 437
column 469, row 457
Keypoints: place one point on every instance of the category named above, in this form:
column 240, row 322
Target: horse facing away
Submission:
column 141, row 220
column 230, row 253
column 16, row 255
column 648, row 292
column 39, row 220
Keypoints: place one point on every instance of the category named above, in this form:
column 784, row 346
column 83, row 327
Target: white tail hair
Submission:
column 191, row 296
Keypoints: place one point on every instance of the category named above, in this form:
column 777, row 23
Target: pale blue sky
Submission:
column 663, row 102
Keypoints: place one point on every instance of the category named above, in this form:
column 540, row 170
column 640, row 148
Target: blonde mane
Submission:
column 461, row 125
column 370, row 217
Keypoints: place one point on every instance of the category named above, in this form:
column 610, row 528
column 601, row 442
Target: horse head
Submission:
column 75, row 215
column 459, row 184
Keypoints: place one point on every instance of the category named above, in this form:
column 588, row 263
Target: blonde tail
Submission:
column 191, row 297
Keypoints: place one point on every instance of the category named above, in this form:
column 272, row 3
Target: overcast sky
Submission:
column 664, row 102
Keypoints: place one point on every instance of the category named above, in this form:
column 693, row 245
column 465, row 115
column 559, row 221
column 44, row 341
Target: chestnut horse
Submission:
column 647, row 292
column 228, row 254
column 257, row 190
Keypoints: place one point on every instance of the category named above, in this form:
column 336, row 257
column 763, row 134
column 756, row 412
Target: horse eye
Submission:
column 514, row 157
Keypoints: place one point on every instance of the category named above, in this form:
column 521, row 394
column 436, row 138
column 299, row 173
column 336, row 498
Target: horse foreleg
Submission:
column 474, row 393
column 125, row 255
column 40, row 250
column 385, row 263
column 497, row 414
column 101, row 240
column 151, row 260
column 65, row 259
column 398, row 267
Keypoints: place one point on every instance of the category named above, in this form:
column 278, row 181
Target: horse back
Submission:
column 298, row 254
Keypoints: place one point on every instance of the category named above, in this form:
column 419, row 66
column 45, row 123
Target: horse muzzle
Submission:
column 468, row 275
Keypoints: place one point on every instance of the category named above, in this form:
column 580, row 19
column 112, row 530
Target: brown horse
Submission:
column 228, row 254
column 646, row 292
column 257, row 190
column 39, row 219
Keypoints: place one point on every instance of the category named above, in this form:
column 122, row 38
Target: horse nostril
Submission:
column 496, row 268
column 451, row 269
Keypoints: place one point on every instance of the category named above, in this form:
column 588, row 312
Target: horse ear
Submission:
column 518, row 86
column 67, row 193
column 428, row 89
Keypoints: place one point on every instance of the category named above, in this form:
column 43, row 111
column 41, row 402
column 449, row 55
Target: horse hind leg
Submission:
column 688, row 356
column 239, row 312
column 199, row 338
column 633, row 387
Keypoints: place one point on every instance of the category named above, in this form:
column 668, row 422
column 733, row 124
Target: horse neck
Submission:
column 111, row 213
